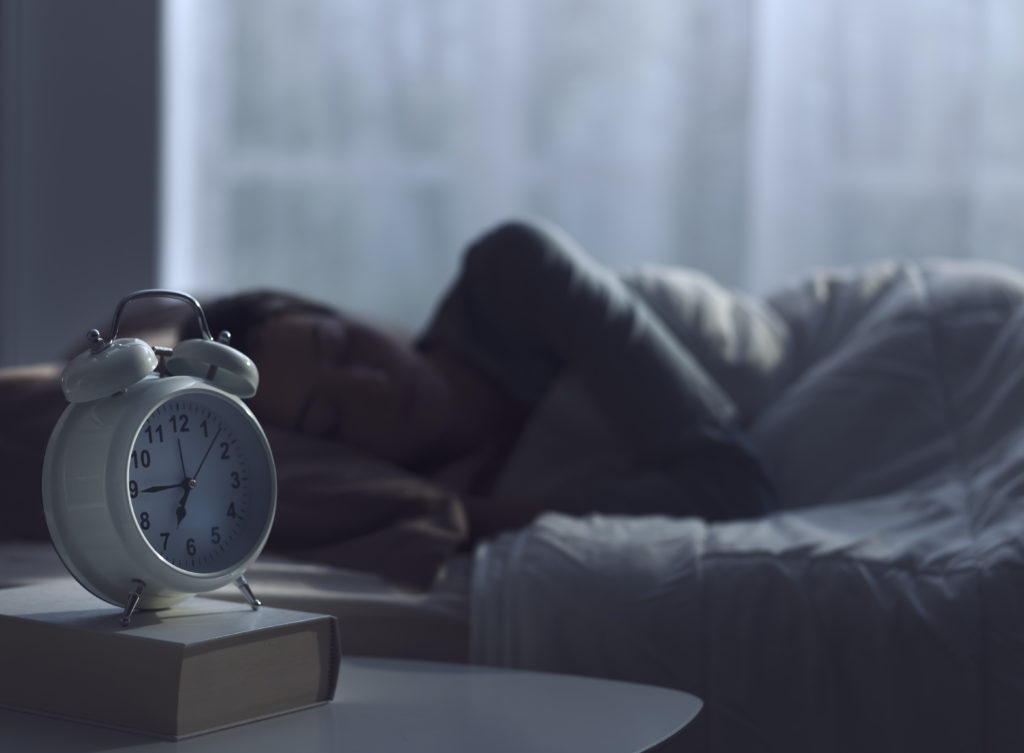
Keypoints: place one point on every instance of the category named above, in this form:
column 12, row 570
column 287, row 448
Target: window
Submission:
column 349, row 149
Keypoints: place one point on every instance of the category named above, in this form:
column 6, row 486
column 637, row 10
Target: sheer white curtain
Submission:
column 886, row 128
column 349, row 148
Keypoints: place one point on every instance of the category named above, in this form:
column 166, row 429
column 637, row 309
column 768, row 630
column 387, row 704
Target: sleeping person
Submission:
column 447, row 411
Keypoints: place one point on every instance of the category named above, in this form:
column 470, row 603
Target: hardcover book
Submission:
column 200, row 666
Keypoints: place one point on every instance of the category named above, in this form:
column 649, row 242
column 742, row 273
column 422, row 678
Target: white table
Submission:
column 404, row 706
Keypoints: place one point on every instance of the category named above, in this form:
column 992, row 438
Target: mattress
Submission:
column 375, row 617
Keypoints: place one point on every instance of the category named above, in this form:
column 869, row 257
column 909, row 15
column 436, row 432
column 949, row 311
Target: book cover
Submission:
column 200, row 666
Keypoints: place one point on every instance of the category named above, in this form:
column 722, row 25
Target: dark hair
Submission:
column 242, row 314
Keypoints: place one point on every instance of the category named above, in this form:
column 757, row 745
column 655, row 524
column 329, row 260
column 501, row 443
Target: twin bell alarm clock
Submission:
column 158, row 481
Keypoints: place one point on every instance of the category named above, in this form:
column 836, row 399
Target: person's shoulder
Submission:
column 522, row 251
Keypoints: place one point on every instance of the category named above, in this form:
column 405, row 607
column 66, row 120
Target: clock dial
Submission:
column 199, row 483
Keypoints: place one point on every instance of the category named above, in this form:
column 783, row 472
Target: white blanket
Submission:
column 883, row 609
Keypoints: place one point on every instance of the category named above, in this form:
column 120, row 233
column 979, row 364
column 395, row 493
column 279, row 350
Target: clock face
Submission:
column 199, row 482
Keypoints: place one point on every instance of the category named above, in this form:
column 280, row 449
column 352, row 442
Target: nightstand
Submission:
column 402, row 706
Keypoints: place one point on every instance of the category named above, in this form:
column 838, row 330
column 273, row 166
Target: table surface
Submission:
column 398, row 705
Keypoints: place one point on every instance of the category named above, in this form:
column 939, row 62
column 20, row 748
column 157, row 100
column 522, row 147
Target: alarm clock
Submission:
column 158, row 481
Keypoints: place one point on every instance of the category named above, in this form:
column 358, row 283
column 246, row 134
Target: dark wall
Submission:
column 79, row 142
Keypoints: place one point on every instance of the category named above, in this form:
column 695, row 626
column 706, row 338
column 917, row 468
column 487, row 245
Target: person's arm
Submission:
column 529, row 303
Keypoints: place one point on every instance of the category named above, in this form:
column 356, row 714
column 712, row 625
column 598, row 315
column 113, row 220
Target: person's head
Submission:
column 329, row 374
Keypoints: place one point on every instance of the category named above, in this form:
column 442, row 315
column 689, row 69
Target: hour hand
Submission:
column 180, row 510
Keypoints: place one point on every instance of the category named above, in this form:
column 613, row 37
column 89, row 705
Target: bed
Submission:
column 882, row 608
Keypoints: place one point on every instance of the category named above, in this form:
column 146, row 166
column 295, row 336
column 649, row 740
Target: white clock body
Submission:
column 169, row 483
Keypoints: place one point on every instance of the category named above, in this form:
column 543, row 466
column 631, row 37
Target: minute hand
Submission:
column 203, row 461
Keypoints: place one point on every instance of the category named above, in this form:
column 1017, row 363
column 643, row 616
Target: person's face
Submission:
column 338, row 378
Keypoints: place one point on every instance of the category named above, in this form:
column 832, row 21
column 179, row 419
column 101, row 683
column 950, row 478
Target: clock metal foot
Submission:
column 243, row 586
column 133, row 602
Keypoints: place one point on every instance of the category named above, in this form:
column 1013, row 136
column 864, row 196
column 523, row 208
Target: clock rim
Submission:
column 120, row 419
